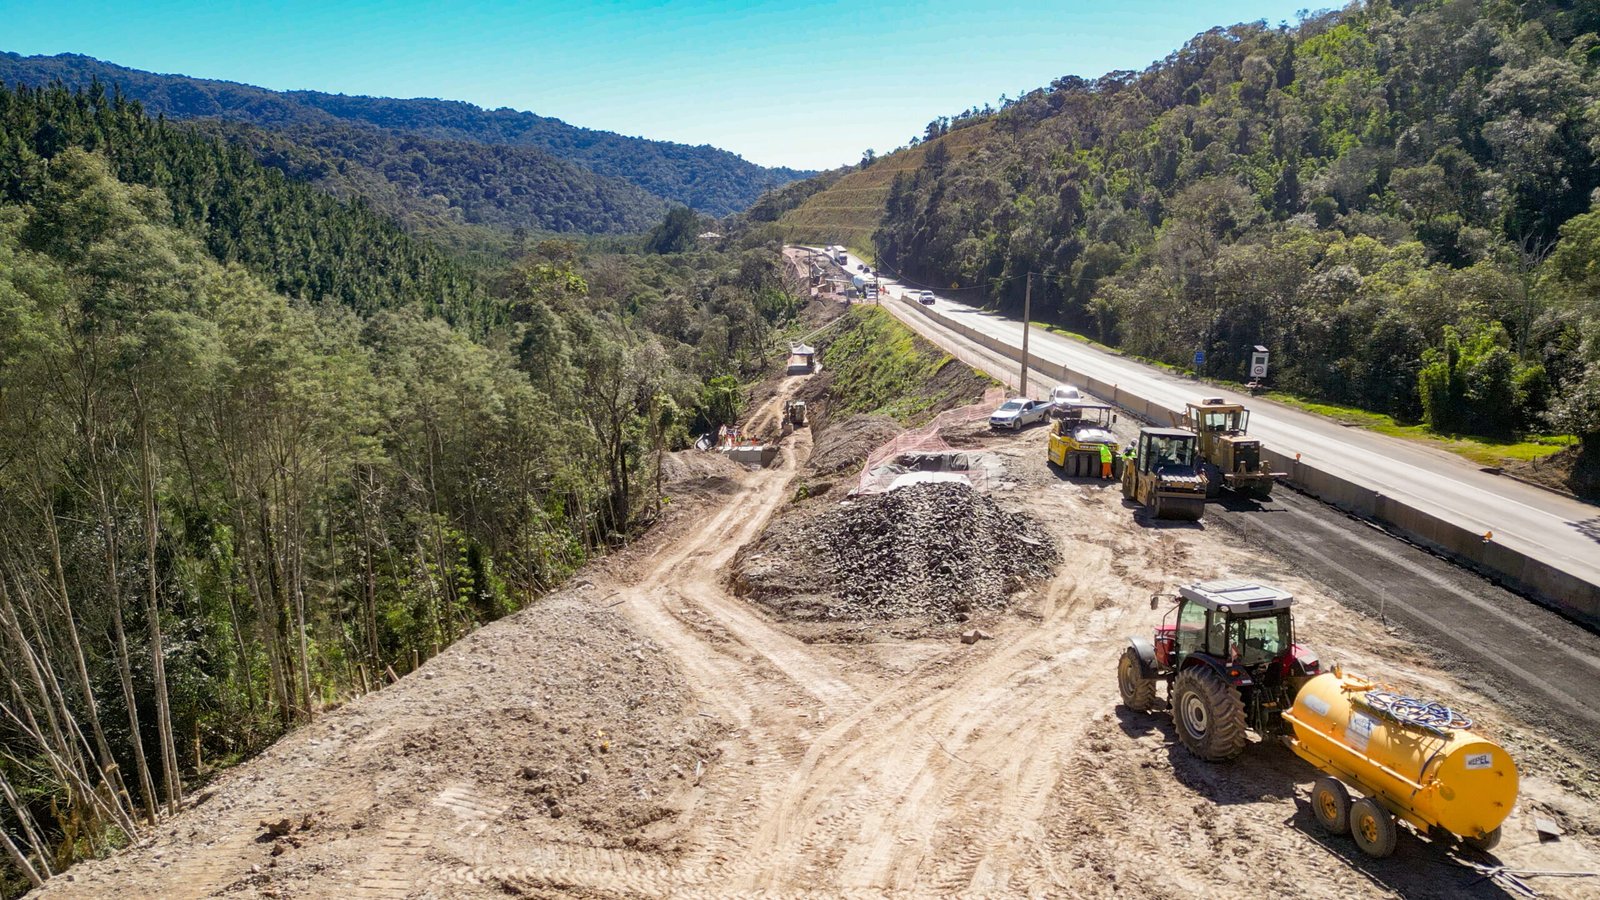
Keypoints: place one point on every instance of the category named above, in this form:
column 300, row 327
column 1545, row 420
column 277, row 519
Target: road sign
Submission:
column 1258, row 362
column 1199, row 357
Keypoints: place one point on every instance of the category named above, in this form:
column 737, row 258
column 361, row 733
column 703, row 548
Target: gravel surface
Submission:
column 937, row 551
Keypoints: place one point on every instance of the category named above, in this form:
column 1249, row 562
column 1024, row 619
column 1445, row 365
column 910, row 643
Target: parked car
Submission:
column 925, row 298
column 1065, row 392
column 1017, row 412
column 1063, row 396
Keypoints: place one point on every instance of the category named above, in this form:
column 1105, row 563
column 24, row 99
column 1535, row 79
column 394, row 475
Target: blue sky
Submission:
column 805, row 85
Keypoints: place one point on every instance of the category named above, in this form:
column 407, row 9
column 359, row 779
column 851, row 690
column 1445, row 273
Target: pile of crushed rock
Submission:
column 939, row 551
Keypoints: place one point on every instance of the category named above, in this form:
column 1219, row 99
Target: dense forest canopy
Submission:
column 432, row 185
column 464, row 145
column 261, row 451
column 1396, row 198
column 303, row 243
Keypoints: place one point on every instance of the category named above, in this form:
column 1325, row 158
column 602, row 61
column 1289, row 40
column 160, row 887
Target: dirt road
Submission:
column 698, row 748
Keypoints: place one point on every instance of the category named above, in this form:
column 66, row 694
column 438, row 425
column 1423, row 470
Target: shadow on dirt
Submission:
column 1092, row 480
column 1144, row 518
column 1267, row 771
column 1239, row 503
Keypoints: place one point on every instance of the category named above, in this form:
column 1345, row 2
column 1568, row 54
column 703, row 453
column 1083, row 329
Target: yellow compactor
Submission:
column 1413, row 760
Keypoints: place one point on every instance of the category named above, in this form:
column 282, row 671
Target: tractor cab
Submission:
column 1241, row 625
column 1227, row 655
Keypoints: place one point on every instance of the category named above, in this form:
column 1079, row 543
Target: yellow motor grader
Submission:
column 1228, row 457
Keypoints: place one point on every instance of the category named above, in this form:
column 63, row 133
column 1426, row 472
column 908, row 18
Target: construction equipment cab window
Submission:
column 1259, row 640
column 1230, row 421
column 1191, row 628
column 1162, row 450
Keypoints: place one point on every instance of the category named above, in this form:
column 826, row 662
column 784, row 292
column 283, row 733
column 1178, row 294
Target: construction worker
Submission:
column 1105, row 460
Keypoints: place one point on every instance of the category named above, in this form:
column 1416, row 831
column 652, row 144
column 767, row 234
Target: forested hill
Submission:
column 1396, row 198
column 262, row 450
column 436, row 186
column 301, row 242
column 705, row 178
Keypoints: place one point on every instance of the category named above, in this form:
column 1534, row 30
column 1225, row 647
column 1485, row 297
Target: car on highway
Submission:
column 1017, row 412
column 925, row 298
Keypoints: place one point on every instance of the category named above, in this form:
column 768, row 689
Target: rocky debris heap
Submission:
column 937, row 550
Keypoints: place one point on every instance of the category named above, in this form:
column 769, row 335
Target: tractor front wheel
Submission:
column 1486, row 843
column 1138, row 692
column 1330, row 804
column 1372, row 828
column 1209, row 713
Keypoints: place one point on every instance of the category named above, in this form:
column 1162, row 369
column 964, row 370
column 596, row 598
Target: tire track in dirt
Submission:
column 903, row 795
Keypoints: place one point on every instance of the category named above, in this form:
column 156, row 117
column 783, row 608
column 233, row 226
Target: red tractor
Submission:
column 1229, row 661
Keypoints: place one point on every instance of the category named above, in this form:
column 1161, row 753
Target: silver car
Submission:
column 1017, row 412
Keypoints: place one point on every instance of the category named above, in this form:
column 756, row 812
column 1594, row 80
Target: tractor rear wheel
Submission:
column 1209, row 714
column 1372, row 828
column 1138, row 692
column 1330, row 804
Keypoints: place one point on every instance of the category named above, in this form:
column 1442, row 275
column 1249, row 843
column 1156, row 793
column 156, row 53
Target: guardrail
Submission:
column 1544, row 583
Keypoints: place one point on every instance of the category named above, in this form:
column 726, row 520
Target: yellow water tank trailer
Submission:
column 1428, row 770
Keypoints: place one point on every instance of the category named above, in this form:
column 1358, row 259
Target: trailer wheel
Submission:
column 1138, row 692
column 1209, row 713
column 1486, row 843
column 1372, row 828
column 1330, row 804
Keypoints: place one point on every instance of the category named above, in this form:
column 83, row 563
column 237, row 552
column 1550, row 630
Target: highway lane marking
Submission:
column 1490, row 608
column 1536, row 681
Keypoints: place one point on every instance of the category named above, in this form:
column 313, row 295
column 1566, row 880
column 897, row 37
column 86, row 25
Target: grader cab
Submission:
column 1229, row 458
column 1165, row 476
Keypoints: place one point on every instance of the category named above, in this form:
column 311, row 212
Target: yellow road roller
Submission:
column 1414, row 760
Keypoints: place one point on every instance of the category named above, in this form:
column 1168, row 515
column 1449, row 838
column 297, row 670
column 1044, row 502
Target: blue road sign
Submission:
column 1199, row 357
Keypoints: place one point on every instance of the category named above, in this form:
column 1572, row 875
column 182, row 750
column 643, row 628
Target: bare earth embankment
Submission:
column 696, row 746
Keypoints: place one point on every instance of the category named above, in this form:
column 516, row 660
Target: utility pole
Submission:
column 1027, row 313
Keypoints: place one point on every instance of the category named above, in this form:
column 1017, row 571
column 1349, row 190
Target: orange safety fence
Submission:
column 889, row 461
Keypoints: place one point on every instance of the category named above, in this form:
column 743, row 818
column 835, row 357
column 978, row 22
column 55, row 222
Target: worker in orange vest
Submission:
column 1105, row 460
